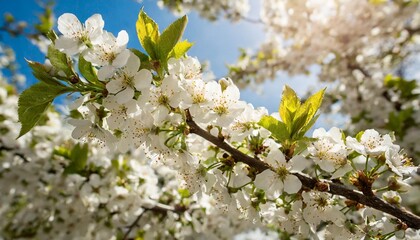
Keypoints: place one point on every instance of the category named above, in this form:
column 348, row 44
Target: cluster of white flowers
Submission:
column 356, row 44
column 144, row 116
column 230, row 9
column 39, row 199
column 8, row 63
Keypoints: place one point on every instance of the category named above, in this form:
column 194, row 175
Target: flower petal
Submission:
column 122, row 38
column 125, row 95
column 94, row 26
column 142, row 79
column 133, row 64
column 275, row 158
column 292, row 184
column 299, row 163
column 342, row 171
column 80, row 131
column 263, row 179
column 114, row 86
column 68, row 45
column 69, row 25
column 105, row 72
column 121, row 59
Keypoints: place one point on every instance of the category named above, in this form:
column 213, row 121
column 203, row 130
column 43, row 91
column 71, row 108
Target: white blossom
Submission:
column 281, row 178
column 77, row 37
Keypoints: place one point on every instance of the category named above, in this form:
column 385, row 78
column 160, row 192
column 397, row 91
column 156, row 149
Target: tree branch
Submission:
column 408, row 218
column 131, row 227
column 159, row 208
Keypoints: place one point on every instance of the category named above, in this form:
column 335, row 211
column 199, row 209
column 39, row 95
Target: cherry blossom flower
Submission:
column 77, row 37
column 138, row 131
column 186, row 69
column 280, row 179
column 330, row 152
column 119, row 113
column 109, row 53
column 225, row 104
column 91, row 132
column 320, row 207
column 159, row 100
column 372, row 143
column 128, row 79
column 243, row 125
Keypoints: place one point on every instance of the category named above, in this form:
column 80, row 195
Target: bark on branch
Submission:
column 412, row 221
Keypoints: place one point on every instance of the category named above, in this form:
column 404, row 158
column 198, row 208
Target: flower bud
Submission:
column 225, row 82
column 392, row 197
column 395, row 184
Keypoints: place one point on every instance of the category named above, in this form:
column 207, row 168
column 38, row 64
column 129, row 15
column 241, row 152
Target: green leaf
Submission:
column 180, row 49
column 62, row 151
column 308, row 126
column 75, row 114
column 307, row 111
column 406, row 88
column 353, row 155
column 184, row 193
column 289, row 104
column 78, row 159
column 34, row 101
column 52, row 35
column 313, row 104
column 88, row 71
column 299, row 121
column 60, row 61
column 41, row 73
column 46, row 21
column 401, row 121
column 170, row 37
column 359, row 135
column 277, row 128
column 148, row 33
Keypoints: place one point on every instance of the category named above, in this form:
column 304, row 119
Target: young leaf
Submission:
column 170, row 37
column 41, row 73
column 299, row 121
column 308, row 126
column 60, row 61
column 277, row 128
column 289, row 104
column 46, row 21
column 34, row 101
column 148, row 33
column 52, row 35
column 359, row 135
column 78, row 157
column 87, row 70
column 180, row 49
column 312, row 104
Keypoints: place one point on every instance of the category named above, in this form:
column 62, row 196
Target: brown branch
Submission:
column 410, row 219
column 131, row 227
column 252, row 20
column 158, row 208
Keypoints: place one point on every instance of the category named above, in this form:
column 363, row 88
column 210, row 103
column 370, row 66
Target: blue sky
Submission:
column 218, row 42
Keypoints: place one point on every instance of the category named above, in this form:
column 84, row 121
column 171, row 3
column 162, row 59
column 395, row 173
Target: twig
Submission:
column 131, row 227
column 159, row 208
column 410, row 219
column 252, row 20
